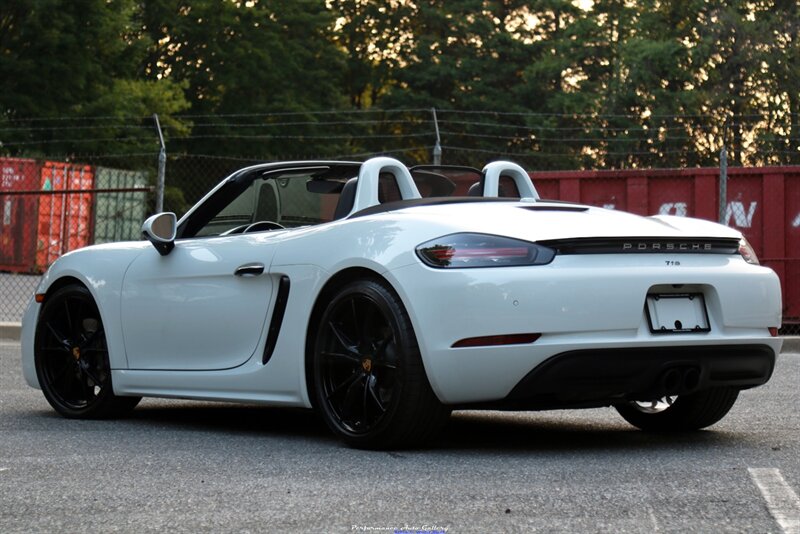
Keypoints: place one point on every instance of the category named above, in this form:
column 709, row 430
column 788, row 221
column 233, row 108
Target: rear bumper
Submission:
column 597, row 377
column 594, row 306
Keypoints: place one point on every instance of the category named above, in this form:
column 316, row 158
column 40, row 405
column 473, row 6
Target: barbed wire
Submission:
column 586, row 140
column 638, row 116
column 719, row 117
column 219, row 157
column 680, row 139
column 312, row 113
column 301, row 123
column 94, row 140
column 378, row 153
column 583, row 140
column 62, row 128
column 538, row 154
column 543, row 154
column 296, row 137
column 212, row 115
column 576, row 128
column 94, row 156
column 687, row 127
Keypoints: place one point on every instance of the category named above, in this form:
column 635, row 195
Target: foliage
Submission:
column 65, row 59
column 618, row 84
column 256, row 58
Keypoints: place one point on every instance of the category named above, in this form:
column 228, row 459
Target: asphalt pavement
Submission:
column 183, row 466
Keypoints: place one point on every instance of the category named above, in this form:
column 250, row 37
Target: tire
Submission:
column 369, row 382
column 71, row 358
column 680, row 414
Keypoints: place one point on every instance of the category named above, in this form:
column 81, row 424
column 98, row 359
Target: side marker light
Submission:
column 773, row 331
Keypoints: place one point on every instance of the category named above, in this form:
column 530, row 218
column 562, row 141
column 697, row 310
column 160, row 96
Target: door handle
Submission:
column 249, row 269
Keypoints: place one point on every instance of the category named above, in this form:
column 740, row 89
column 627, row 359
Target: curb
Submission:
column 791, row 344
column 12, row 331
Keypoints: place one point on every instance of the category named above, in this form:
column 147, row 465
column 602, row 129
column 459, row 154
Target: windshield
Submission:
column 315, row 193
column 287, row 200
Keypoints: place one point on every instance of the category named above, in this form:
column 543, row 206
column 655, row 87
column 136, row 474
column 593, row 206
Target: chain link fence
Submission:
column 48, row 208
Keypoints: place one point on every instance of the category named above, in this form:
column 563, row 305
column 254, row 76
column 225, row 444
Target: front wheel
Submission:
column 71, row 358
column 680, row 413
column 369, row 381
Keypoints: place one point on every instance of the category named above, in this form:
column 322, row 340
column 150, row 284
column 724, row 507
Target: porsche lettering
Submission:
column 667, row 246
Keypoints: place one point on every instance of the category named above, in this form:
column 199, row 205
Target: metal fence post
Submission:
column 723, row 185
column 437, row 148
column 162, row 165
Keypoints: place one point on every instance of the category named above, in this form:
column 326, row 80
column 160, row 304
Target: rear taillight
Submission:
column 481, row 250
column 747, row 252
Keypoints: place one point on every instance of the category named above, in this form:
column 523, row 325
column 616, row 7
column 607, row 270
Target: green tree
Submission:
column 255, row 58
column 728, row 49
column 556, row 84
column 62, row 61
column 777, row 82
column 375, row 38
column 470, row 56
column 661, row 76
column 598, row 46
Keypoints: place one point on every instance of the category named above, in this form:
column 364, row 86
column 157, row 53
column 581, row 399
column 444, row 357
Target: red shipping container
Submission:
column 64, row 219
column 789, row 189
column 17, row 214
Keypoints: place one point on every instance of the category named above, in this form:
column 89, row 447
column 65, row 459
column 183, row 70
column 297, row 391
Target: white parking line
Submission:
column 656, row 530
column 782, row 501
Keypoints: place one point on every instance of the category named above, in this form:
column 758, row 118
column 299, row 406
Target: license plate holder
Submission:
column 677, row 313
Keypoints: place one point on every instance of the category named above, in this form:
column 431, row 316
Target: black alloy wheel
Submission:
column 71, row 357
column 369, row 381
column 680, row 413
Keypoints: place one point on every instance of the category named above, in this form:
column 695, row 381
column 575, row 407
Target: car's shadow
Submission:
column 548, row 431
column 233, row 419
column 478, row 431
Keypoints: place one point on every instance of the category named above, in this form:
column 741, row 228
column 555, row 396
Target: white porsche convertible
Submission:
column 339, row 286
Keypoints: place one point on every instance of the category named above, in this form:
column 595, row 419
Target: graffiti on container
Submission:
column 674, row 208
column 741, row 218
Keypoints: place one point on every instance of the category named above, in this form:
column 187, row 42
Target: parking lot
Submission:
column 188, row 467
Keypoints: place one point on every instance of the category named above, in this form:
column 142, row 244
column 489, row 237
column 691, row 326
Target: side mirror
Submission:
column 160, row 230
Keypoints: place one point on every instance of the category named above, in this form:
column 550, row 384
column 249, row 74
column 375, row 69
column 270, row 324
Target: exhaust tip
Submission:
column 671, row 381
column 691, row 378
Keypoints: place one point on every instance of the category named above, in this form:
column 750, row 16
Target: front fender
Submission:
column 101, row 270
